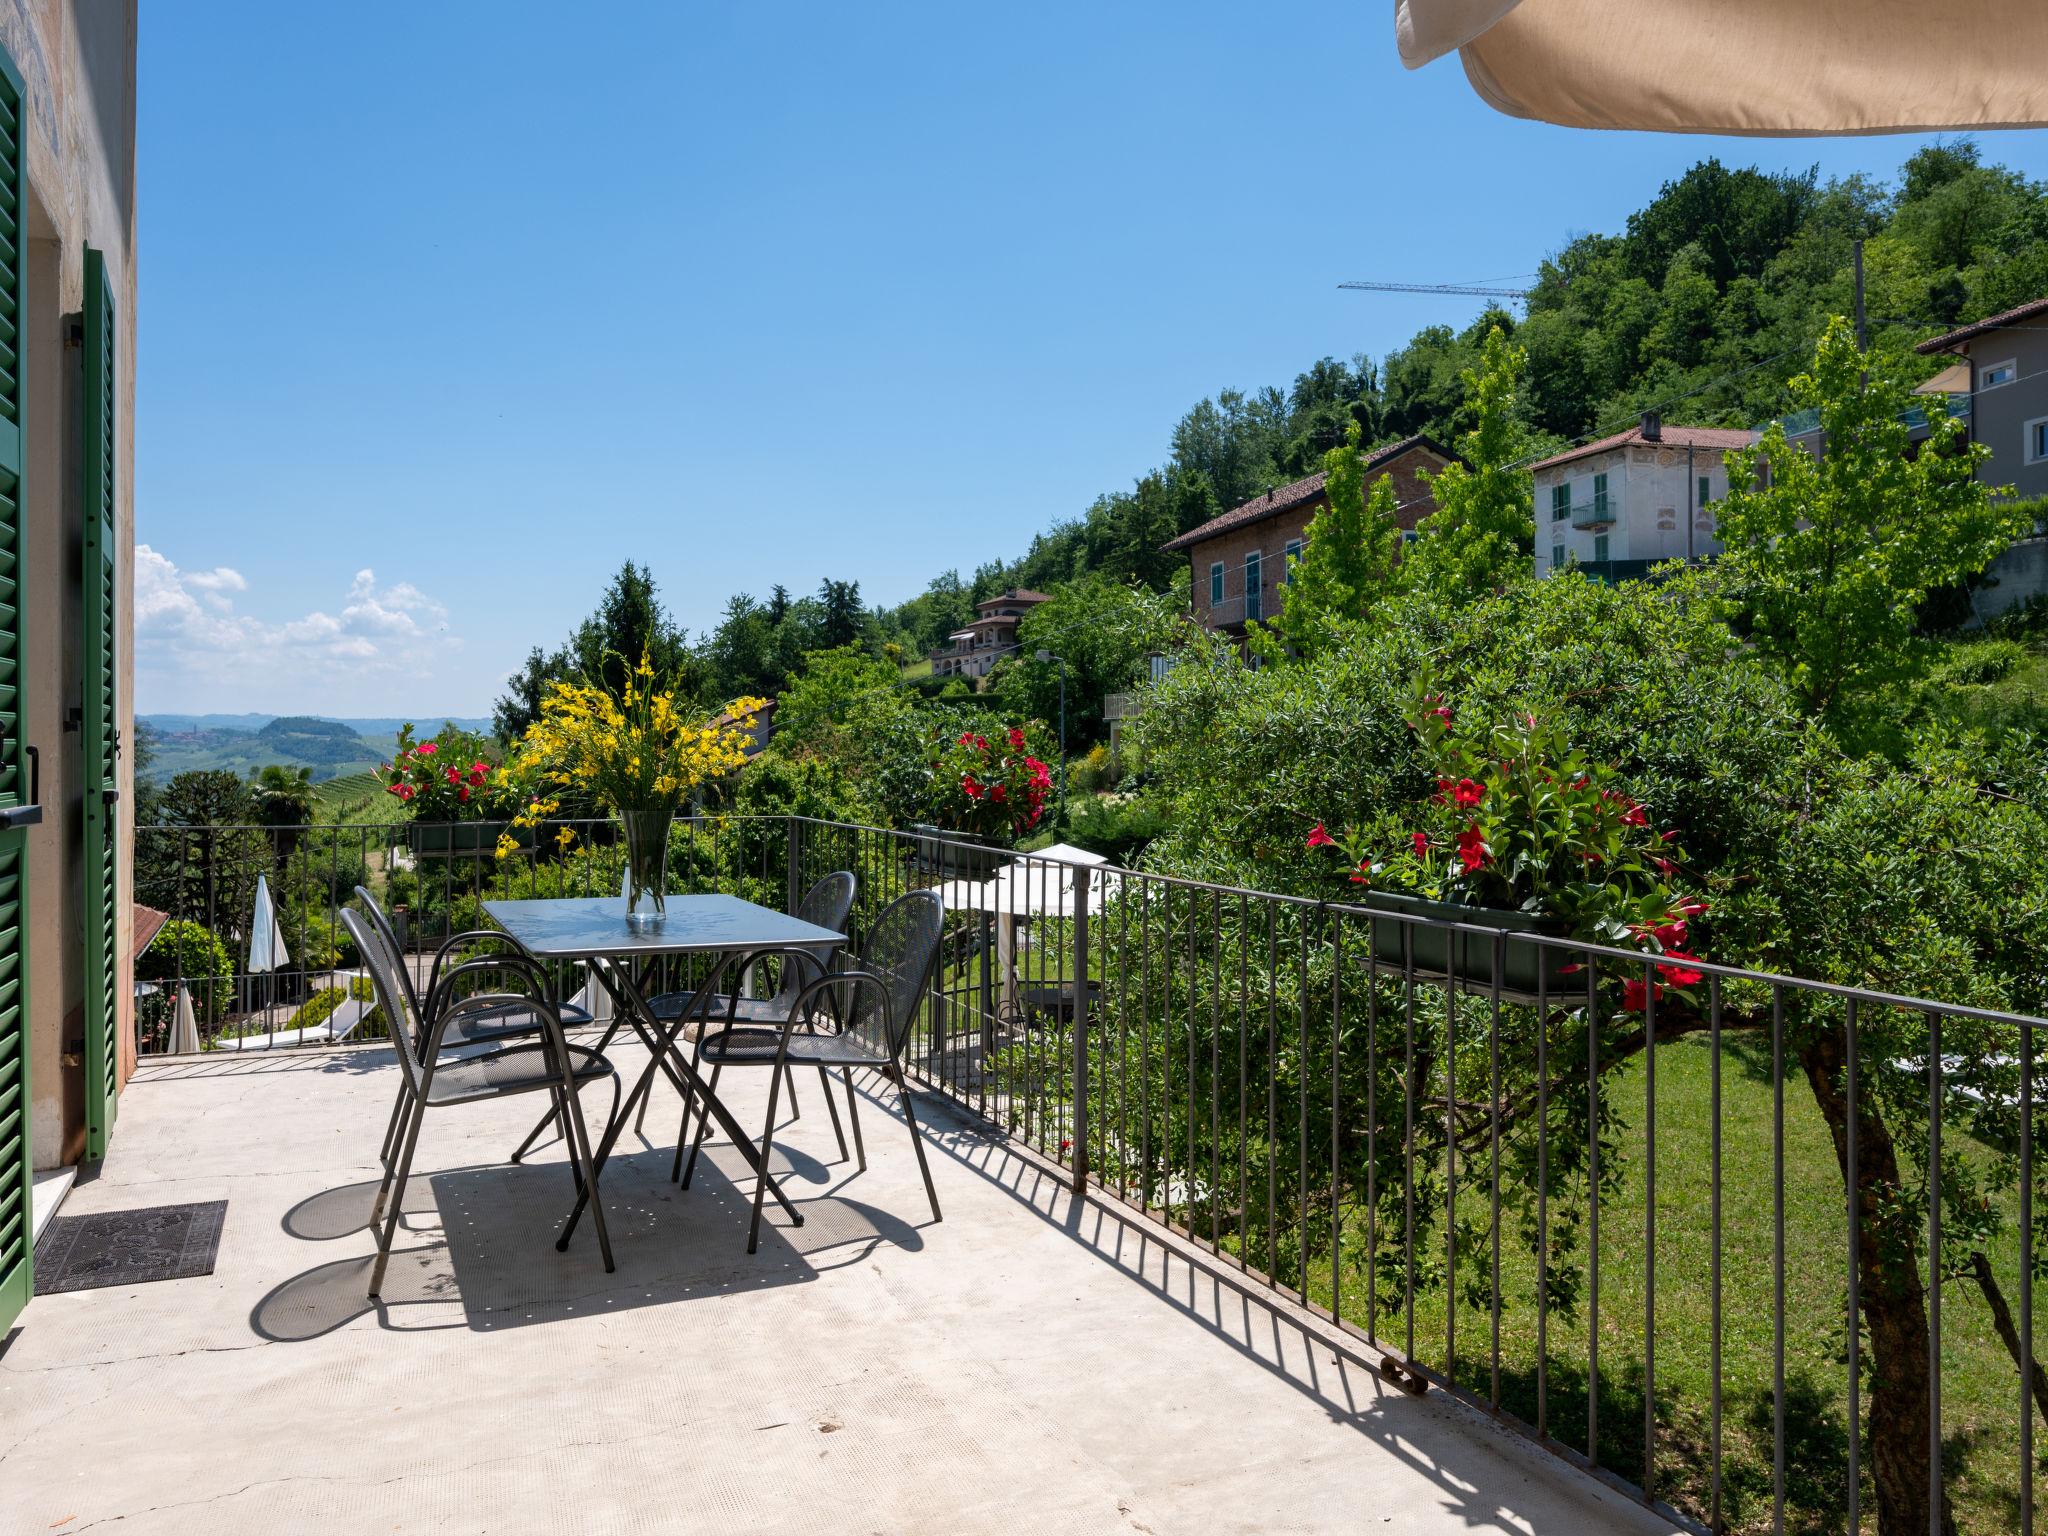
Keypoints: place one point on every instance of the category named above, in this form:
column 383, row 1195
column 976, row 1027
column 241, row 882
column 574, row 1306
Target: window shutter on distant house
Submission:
column 102, row 717
column 16, row 1256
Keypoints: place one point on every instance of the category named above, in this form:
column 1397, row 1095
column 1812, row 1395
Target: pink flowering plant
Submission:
column 448, row 778
column 1520, row 820
column 988, row 787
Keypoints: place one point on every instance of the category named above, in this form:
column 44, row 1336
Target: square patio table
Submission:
column 593, row 930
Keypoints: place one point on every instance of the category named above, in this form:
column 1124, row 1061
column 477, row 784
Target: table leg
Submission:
column 663, row 1056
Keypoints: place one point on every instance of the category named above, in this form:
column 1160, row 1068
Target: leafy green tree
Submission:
column 284, row 801
column 1830, row 557
column 629, row 621
column 1483, row 530
column 202, row 858
column 1347, row 560
column 1106, row 631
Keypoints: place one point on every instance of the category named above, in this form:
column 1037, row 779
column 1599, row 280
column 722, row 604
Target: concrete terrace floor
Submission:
column 1026, row 1365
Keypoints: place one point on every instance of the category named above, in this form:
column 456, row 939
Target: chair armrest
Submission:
column 522, row 966
column 470, row 936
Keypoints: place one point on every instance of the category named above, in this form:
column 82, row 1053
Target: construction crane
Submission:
column 1481, row 293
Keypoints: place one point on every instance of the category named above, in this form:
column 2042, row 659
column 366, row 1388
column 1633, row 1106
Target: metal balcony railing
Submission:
column 1603, row 1199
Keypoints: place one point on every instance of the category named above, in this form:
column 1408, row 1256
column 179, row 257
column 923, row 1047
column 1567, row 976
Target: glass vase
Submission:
column 646, row 882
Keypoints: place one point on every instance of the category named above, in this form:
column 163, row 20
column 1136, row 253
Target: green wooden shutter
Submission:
column 16, row 1257
column 102, row 720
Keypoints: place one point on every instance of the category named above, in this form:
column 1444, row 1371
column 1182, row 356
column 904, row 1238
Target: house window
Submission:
column 2037, row 440
column 1994, row 374
column 1216, row 585
column 1254, row 606
column 1560, row 502
column 1600, row 497
column 1706, row 490
column 1599, row 549
column 1293, row 554
column 1557, row 557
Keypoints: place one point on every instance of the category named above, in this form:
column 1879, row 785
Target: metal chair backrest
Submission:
column 902, row 948
column 828, row 904
column 389, row 935
column 392, row 996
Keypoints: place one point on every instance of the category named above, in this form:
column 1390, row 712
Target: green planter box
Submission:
column 1523, row 966
column 462, row 839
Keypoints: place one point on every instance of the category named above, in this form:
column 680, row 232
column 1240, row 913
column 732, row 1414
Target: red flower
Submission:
column 397, row 789
column 1692, row 906
column 1665, row 867
column 1669, row 934
column 404, row 791
column 1421, row 842
column 1362, row 875
column 1320, row 838
column 1443, row 791
column 476, row 774
column 972, row 786
column 462, row 793
column 1472, row 848
column 1634, row 994
column 1634, row 816
column 999, row 792
column 1443, row 713
column 1016, row 739
column 425, row 749
column 1681, row 975
column 1469, row 792
column 453, row 775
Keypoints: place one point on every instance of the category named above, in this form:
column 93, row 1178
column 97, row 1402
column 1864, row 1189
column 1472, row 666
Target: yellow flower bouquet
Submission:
column 639, row 755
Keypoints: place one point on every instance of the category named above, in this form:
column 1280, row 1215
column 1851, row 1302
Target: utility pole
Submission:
column 1043, row 657
column 1862, row 324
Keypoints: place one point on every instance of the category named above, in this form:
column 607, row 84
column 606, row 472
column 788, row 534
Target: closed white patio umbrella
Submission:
column 266, row 938
column 1745, row 66
column 184, row 1039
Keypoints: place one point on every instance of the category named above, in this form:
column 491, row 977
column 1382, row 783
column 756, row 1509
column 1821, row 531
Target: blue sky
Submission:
column 446, row 310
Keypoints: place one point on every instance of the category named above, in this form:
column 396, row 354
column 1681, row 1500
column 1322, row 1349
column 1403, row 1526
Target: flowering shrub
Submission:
column 990, row 789
column 1519, row 820
column 637, row 754
column 447, row 778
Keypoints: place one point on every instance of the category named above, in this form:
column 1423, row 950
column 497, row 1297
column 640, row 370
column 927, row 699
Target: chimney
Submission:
column 1653, row 427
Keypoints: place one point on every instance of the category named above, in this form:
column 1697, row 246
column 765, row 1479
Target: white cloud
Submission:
column 191, row 638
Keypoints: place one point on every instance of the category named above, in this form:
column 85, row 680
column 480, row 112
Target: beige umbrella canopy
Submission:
column 1745, row 66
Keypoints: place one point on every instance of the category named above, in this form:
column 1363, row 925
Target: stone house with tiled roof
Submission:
column 1625, row 502
column 2001, row 379
column 974, row 648
column 1238, row 561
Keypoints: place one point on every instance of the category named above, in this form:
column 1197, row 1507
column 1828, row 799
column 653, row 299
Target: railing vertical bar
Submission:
column 1543, row 1196
column 1855, row 1307
column 1493, row 1115
column 1453, row 948
column 1301, row 1107
column 1407, row 931
column 1934, row 1068
column 2026, row 1045
column 1215, row 1071
column 1714, row 1254
column 1145, row 1047
column 1649, row 1232
column 1123, row 1040
column 1593, row 1211
column 1244, row 949
column 1272, row 1137
column 1777, row 1261
column 1336, row 1153
column 1372, row 1139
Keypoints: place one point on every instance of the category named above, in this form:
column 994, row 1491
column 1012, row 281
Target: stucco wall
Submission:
column 1998, row 416
column 77, row 62
column 1652, row 492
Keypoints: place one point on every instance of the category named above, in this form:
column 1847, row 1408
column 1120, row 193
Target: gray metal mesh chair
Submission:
column 546, row 1063
column 828, row 904
column 478, row 1026
column 852, row 1018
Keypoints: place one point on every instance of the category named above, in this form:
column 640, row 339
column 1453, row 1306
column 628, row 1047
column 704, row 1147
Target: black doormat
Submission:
column 160, row 1242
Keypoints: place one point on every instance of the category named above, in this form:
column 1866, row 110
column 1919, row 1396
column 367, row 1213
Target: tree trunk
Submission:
column 2001, row 1319
column 1894, row 1303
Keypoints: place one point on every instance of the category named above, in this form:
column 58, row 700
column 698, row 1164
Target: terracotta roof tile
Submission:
column 2025, row 311
column 1296, row 493
column 1720, row 439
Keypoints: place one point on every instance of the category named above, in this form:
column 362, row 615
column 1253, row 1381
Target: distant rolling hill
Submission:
column 241, row 744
